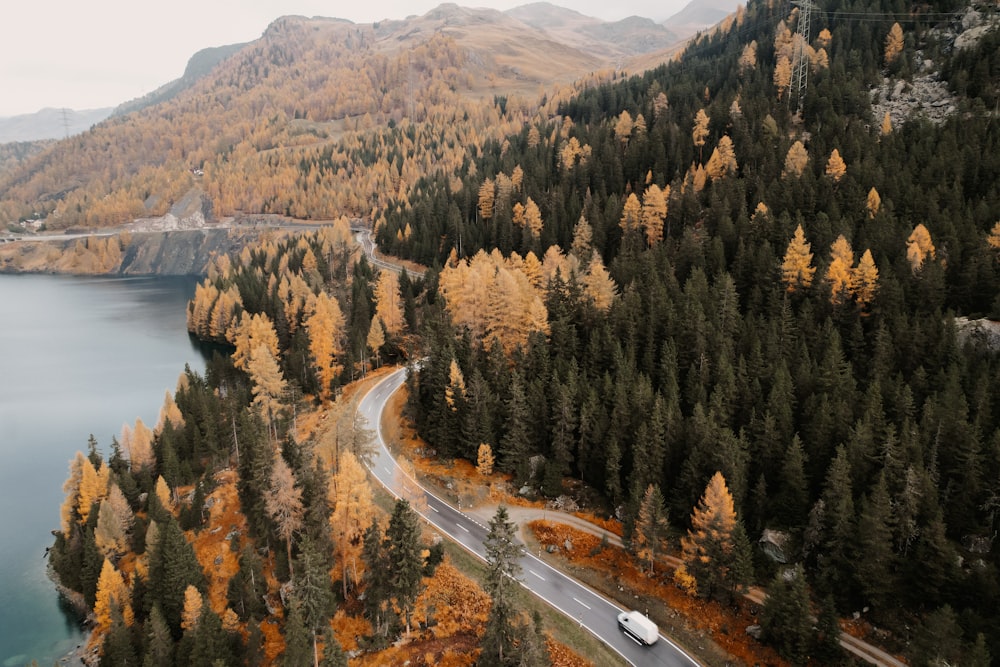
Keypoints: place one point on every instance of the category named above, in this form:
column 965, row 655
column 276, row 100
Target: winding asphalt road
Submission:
column 591, row 610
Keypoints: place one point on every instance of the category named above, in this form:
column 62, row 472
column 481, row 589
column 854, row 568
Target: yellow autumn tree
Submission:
column 284, row 504
column 268, row 385
column 192, row 608
column 711, row 550
column 169, row 413
column 796, row 269
column 835, row 167
column 623, row 127
column 654, row 211
column 598, row 285
column 631, row 214
column 873, row 203
column 699, row 133
column 886, row 124
column 484, row 460
column 389, row 302
column 840, row 272
column 250, row 332
column 486, row 199
column 93, row 488
column 351, row 497
column 325, row 326
column 865, row 280
column 163, row 494
column 919, row 247
column 893, row 44
column 376, row 338
column 723, row 160
column 112, row 592
column 532, row 218
column 795, row 160
column 583, row 238
column 71, row 487
column 782, row 75
column 456, row 385
column 993, row 238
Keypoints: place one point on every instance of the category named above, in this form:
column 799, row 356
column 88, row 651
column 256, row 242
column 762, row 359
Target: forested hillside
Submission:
column 779, row 305
column 316, row 119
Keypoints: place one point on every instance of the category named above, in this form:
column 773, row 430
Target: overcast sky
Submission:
column 86, row 54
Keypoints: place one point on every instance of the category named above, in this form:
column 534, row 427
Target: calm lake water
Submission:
column 77, row 356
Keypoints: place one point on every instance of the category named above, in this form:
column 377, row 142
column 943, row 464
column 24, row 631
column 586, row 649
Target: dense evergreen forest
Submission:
column 822, row 372
column 679, row 275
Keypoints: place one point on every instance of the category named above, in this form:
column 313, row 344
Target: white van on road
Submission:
column 638, row 627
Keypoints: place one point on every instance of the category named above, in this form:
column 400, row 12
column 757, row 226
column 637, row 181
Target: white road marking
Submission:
column 587, row 606
column 462, row 527
column 537, row 575
column 433, row 508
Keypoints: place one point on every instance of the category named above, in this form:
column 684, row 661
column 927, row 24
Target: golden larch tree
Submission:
column 93, row 488
column 796, row 160
column 824, row 38
column 723, row 160
column 376, row 338
column 919, row 247
column 835, row 166
column 699, row 133
column 886, row 124
column 456, row 385
column 797, row 270
column 268, row 384
column 71, row 487
column 623, row 127
column 840, row 272
column 486, row 198
column 709, row 550
column 325, row 326
column 782, row 75
column 993, row 238
column 598, row 285
column 631, row 214
column 583, row 238
column 484, row 460
column 660, row 105
column 873, row 203
column 112, row 592
column 351, row 498
column 163, row 494
column 654, row 212
column 111, row 540
column 284, row 504
column 865, row 280
column 192, row 608
column 169, row 413
column 533, row 218
column 251, row 332
column 893, row 44
column 389, row 302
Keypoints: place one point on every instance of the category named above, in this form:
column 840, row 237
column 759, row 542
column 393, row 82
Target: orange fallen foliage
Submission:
column 562, row 656
column 452, row 603
column 349, row 628
column 613, row 526
column 724, row 624
column 219, row 562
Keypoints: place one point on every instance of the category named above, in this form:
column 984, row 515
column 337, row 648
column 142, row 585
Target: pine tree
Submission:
column 172, row 567
column 298, row 643
column 877, row 578
column 403, row 555
column 333, row 652
column 651, row 526
column 786, row 620
column 159, row 642
column 313, row 588
column 502, row 572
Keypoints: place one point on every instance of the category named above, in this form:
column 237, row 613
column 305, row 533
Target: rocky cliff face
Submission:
column 168, row 253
